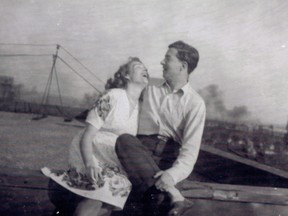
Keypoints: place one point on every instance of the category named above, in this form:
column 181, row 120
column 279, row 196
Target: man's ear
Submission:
column 185, row 65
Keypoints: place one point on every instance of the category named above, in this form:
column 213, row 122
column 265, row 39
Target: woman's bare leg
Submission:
column 88, row 207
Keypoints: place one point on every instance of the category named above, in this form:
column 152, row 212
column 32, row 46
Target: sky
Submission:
column 243, row 44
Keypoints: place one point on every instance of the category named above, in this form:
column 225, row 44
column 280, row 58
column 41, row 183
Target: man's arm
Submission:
column 191, row 142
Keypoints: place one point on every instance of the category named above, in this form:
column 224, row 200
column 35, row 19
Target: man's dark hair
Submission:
column 186, row 53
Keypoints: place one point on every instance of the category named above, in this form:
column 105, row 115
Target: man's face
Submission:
column 171, row 65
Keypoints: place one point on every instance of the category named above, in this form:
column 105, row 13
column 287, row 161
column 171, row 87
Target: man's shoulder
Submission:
column 155, row 87
column 193, row 94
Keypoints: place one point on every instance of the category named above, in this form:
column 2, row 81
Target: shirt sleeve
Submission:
column 191, row 142
column 101, row 110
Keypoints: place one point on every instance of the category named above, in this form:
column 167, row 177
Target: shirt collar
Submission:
column 186, row 88
column 183, row 90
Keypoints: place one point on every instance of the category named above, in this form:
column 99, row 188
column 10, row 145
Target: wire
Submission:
column 24, row 55
column 81, row 64
column 20, row 44
column 42, row 55
column 78, row 73
column 64, row 49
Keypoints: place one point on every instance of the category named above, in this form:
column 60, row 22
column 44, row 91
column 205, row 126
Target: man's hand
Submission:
column 165, row 180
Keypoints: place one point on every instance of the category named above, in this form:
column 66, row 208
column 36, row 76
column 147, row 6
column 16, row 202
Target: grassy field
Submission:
column 32, row 144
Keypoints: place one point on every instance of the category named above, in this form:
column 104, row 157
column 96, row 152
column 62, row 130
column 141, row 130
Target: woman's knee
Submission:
column 87, row 207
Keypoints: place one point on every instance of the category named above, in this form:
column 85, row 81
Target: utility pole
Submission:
column 45, row 98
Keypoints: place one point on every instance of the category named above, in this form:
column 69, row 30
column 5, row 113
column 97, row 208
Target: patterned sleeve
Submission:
column 100, row 110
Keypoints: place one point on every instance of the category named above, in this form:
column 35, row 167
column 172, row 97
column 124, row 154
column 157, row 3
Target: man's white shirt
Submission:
column 178, row 114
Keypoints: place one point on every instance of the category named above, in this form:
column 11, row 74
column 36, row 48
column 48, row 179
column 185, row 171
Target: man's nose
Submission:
column 162, row 62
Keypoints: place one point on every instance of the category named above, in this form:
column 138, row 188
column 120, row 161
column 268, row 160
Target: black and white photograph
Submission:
column 143, row 108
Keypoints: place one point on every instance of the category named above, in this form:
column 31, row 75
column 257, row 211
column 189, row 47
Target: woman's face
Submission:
column 138, row 73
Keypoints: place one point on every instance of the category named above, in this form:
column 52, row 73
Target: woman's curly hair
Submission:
column 119, row 80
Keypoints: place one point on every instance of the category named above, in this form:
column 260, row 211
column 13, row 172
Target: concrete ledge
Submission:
column 28, row 192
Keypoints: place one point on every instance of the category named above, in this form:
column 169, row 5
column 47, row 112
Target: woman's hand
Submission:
column 93, row 173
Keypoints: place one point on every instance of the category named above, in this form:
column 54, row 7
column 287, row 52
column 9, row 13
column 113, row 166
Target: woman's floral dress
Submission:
column 112, row 117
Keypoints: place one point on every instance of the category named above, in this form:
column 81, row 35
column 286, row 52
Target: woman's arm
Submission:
column 95, row 120
column 93, row 172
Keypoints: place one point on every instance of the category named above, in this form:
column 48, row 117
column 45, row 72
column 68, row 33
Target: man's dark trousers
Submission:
column 143, row 156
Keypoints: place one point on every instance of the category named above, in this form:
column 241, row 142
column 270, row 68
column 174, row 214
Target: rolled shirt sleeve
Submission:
column 192, row 135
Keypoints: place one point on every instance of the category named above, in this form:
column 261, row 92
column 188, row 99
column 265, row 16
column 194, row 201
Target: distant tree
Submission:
column 17, row 92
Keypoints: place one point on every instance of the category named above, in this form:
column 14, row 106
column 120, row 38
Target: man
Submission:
column 170, row 130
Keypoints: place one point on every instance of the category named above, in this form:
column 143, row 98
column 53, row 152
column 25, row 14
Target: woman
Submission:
column 94, row 169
